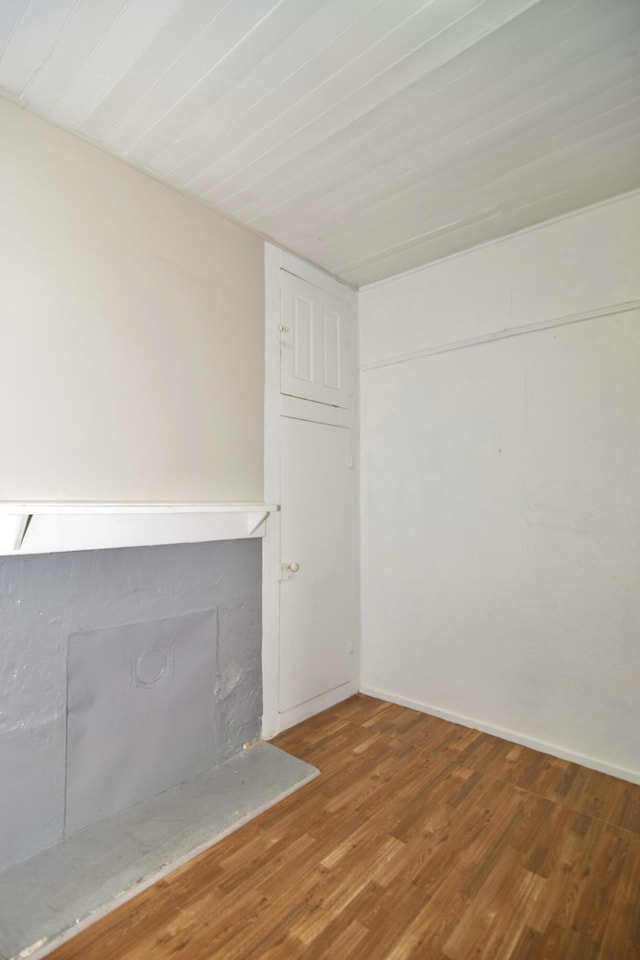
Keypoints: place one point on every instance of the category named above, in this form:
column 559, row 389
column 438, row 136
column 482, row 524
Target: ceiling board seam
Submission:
column 350, row 145
column 562, row 151
column 90, row 53
column 273, row 90
column 324, row 113
column 125, row 70
column 457, row 224
column 224, row 57
column 629, row 194
column 12, row 32
column 497, row 126
column 369, row 81
column 291, row 106
column 510, row 222
column 459, row 154
column 155, row 83
column 54, row 45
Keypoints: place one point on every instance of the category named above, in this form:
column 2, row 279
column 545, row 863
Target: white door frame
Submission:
column 276, row 405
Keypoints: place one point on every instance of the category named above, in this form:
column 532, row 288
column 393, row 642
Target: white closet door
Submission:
column 318, row 605
column 316, row 344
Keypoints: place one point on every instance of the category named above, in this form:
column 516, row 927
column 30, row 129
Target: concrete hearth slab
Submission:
column 48, row 898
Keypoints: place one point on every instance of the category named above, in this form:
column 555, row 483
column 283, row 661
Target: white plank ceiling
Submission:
column 370, row 136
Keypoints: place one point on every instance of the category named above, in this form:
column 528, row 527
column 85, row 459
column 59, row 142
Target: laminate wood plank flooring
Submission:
column 420, row 839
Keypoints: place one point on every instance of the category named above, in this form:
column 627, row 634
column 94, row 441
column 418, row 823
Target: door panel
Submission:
column 316, row 335
column 318, row 613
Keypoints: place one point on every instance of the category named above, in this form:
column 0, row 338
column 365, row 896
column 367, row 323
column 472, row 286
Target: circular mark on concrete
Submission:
column 150, row 667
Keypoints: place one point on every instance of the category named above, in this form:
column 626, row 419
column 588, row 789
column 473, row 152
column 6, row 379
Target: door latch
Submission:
column 287, row 570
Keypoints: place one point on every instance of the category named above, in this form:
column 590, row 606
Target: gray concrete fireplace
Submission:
column 129, row 679
column 123, row 672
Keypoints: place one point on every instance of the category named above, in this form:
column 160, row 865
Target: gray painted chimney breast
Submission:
column 157, row 653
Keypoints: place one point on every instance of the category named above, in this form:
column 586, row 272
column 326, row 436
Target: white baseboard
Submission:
column 309, row 709
column 513, row 736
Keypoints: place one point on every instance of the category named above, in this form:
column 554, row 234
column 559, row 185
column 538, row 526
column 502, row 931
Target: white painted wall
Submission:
column 132, row 321
column 500, row 497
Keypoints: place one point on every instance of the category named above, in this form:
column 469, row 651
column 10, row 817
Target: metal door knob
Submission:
column 294, row 567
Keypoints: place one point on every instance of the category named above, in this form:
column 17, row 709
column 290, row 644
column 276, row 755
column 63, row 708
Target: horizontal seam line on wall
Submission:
column 608, row 311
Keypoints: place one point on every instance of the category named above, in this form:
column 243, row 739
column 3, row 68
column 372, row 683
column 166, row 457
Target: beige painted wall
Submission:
column 131, row 321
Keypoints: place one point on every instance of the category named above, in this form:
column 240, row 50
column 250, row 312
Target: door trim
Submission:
column 276, row 260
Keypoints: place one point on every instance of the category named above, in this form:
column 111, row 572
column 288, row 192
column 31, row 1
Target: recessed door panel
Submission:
column 331, row 329
column 303, row 340
column 315, row 344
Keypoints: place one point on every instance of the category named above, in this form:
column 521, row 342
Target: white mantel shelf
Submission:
column 54, row 527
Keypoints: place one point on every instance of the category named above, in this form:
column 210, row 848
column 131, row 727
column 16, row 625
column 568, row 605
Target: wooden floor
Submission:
column 420, row 839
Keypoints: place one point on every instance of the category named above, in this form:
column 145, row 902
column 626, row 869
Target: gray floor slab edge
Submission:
column 50, row 897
